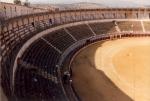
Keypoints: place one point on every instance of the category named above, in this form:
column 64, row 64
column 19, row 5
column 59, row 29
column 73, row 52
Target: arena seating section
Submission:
column 80, row 31
column 60, row 39
column 147, row 25
column 102, row 28
column 134, row 26
column 11, row 42
column 31, row 85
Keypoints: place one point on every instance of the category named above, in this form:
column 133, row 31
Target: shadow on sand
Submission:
column 92, row 84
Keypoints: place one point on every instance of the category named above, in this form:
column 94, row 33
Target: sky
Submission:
column 106, row 2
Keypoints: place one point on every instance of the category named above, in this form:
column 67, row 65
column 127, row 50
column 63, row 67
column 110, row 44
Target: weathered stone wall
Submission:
column 8, row 10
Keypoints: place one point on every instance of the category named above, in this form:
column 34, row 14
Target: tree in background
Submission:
column 18, row 2
column 26, row 3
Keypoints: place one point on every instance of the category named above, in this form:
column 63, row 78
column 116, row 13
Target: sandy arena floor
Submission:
column 117, row 70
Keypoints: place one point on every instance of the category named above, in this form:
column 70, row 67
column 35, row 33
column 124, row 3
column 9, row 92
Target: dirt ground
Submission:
column 117, row 70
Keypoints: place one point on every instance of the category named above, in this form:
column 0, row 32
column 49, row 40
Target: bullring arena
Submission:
column 115, row 65
column 75, row 55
